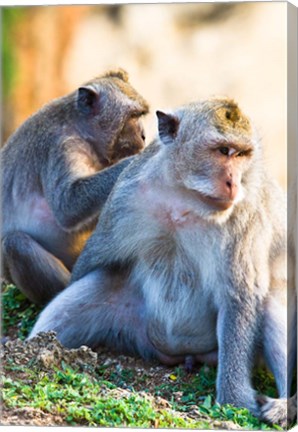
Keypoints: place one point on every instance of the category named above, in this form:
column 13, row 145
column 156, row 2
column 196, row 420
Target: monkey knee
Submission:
column 20, row 251
column 15, row 243
column 36, row 272
column 68, row 330
column 19, row 247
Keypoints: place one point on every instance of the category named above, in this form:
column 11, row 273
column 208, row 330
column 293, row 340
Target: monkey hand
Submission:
column 278, row 411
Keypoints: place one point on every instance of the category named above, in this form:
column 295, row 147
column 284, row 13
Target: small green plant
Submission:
column 193, row 388
column 264, row 382
column 194, row 391
column 17, row 311
column 81, row 399
column 240, row 416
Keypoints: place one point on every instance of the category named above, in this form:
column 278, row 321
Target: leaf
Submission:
column 207, row 402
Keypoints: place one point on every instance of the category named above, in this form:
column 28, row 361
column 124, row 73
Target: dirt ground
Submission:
column 46, row 353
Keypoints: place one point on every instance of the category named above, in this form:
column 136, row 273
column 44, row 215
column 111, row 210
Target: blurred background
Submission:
column 174, row 53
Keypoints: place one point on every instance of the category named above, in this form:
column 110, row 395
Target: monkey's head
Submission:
column 109, row 111
column 212, row 152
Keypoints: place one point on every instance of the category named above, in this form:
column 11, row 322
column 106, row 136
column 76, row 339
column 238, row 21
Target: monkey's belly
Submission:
column 180, row 334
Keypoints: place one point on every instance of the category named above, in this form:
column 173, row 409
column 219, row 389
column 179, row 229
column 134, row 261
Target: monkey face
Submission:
column 211, row 154
column 217, row 173
column 130, row 141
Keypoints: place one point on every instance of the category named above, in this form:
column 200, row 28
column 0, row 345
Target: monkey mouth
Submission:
column 217, row 202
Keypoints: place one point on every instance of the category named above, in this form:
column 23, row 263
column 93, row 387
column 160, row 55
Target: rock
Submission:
column 46, row 351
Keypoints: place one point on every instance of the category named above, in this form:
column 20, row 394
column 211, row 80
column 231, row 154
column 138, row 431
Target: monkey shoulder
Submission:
column 130, row 181
column 123, row 212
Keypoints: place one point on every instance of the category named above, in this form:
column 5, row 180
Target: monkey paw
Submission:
column 278, row 411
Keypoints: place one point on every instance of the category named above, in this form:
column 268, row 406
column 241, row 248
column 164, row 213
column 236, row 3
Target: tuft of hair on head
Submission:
column 228, row 116
column 117, row 73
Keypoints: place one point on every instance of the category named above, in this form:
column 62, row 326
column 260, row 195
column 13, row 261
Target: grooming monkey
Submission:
column 56, row 179
column 188, row 258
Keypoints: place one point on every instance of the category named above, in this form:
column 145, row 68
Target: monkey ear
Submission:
column 88, row 97
column 168, row 126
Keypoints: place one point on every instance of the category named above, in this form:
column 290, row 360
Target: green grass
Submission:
column 91, row 401
column 82, row 399
column 196, row 389
column 17, row 311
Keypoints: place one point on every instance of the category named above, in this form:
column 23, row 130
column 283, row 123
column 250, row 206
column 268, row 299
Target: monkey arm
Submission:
column 105, row 248
column 236, row 329
column 74, row 190
column 239, row 317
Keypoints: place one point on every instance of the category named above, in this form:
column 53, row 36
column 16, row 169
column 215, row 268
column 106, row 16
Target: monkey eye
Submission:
column 143, row 137
column 244, row 153
column 224, row 150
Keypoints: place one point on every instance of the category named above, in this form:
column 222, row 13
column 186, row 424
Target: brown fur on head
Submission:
column 118, row 80
column 230, row 117
column 117, row 73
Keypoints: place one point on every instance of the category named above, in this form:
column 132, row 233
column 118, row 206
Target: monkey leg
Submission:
column 100, row 308
column 235, row 356
column 104, row 308
column 275, row 345
column 35, row 271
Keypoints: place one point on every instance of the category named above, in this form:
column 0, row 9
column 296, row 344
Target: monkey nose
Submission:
column 229, row 184
column 231, row 188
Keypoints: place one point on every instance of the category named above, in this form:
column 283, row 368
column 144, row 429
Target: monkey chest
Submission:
column 182, row 269
column 183, row 289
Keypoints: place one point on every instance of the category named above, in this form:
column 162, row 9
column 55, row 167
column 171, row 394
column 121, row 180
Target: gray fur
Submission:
column 196, row 266
column 57, row 174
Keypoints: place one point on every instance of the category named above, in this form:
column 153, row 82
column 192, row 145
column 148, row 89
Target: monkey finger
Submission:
column 277, row 411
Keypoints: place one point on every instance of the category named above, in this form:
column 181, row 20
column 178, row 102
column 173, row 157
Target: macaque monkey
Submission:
column 56, row 177
column 188, row 259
